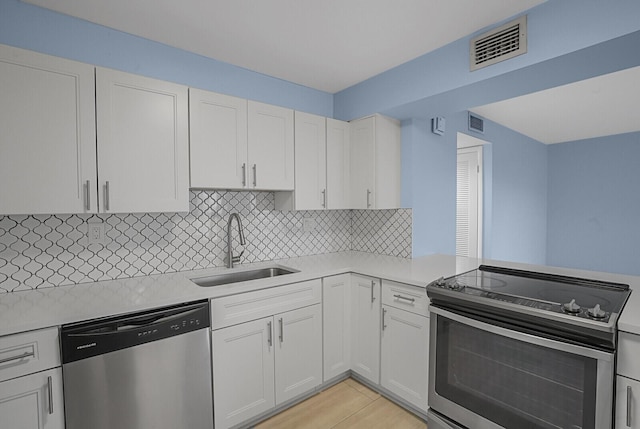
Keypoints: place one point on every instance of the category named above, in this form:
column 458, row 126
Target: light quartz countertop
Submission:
column 29, row 310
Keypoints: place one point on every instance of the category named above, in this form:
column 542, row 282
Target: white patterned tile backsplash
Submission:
column 39, row 251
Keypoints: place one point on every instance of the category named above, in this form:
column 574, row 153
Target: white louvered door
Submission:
column 469, row 202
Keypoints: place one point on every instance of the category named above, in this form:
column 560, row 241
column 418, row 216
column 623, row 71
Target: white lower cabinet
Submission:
column 405, row 355
column 365, row 327
column 33, row 401
column 336, row 334
column 31, row 381
column 263, row 363
column 627, row 403
column 628, row 382
column 243, row 371
column 298, row 352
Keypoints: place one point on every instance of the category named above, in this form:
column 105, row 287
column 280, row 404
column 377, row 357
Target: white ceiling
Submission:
column 324, row 44
column 601, row 106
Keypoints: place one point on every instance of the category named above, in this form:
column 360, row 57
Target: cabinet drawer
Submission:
column 628, row 353
column 28, row 352
column 234, row 309
column 405, row 297
column 627, row 403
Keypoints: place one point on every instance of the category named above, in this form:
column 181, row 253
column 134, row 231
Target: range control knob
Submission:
column 571, row 307
column 596, row 312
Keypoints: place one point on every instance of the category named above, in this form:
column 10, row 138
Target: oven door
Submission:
column 485, row 376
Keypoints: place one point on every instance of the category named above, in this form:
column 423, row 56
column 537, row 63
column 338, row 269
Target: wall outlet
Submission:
column 95, row 233
column 309, row 224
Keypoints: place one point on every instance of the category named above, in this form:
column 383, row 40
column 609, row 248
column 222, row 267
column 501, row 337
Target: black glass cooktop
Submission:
column 583, row 298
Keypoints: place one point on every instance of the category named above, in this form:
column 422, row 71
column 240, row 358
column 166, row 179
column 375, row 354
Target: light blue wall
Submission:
column 30, row 27
column 555, row 28
column 594, row 204
column 515, row 190
column 519, row 200
column 429, row 187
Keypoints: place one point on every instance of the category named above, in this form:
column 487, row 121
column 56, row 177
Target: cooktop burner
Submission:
column 551, row 299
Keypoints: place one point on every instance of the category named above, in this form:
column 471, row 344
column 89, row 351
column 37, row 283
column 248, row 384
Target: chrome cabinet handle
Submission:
column 368, row 198
column 628, row 406
column 411, row 300
column 324, row 198
column 50, row 390
column 106, row 195
column 244, row 174
column 270, row 337
column 87, row 195
column 255, row 175
column 22, row 356
column 373, row 284
column 281, row 330
column 384, row 312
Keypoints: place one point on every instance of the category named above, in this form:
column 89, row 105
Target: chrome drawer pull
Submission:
column 384, row 312
column 50, row 389
column 270, row 337
column 411, row 300
column 244, row 175
column 373, row 285
column 106, row 196
column 628, row 406
column 281, row 330
column 368, row 198
column 87, row 196
column 255, row 175
column 22, row 356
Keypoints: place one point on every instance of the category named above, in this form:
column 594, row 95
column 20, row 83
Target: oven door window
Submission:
column 514, row 383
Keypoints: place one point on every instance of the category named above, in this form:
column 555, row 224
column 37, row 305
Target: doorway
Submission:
column 469, row 200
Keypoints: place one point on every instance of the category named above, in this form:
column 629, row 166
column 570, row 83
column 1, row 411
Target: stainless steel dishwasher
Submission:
column 149, row 370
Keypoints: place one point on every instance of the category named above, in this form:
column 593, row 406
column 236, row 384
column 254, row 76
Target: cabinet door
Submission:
column 217, row 140
column 298, row 352
column 143, row 143
column 33, row 401
column 338, row 164
column 311, row 162
column 243, row 371
column 365, row 327
column 336, row 309
column 387, row 163
column 47, row 118
column 405, row 355
column 363, row 163
column 270, row 148
column 627, row 403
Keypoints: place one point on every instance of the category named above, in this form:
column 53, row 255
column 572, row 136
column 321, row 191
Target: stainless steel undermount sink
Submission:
column 242, row 276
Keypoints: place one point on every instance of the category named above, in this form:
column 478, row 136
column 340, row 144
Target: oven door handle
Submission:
column 521, row 336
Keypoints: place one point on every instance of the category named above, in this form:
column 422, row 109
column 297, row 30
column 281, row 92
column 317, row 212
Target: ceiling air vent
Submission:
column 499, row 44
column 476, row 123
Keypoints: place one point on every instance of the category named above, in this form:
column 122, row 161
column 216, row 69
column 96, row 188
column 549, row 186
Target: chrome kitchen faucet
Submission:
column 230, row 258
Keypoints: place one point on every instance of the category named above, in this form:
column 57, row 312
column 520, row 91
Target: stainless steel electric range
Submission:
column 519, row 349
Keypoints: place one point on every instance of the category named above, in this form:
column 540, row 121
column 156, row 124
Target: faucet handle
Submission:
column 237, row 258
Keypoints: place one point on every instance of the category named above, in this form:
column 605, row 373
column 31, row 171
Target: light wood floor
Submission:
column 348, row 404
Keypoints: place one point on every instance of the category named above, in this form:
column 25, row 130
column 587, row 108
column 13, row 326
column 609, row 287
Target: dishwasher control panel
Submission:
column 87, row 339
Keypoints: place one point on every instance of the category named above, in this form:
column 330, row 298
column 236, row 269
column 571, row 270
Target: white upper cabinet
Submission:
column 310, row 161
column 322, row 167
column 270, row 162
column 375, row 163
column 48, row 137
column 338, row 164
column 143, row 143
column 218, row 140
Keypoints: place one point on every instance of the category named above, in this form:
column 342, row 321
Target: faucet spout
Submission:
column 230, row 258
